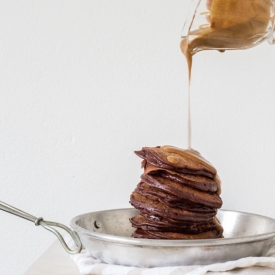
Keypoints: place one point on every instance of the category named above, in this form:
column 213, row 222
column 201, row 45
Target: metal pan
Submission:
column 106, row 235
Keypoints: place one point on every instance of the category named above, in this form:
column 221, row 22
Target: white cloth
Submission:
column 88, row 265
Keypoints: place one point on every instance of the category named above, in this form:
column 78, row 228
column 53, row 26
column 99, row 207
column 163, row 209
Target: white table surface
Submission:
column 55, row 261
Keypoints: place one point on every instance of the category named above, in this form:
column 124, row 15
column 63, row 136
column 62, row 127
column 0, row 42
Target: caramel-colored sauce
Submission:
column 204, row 26
column 197, row 157
column 172, row 159
column 190, row 154
column 218, row 224
column 233, row 24
column 186, row 52
column 219, row 184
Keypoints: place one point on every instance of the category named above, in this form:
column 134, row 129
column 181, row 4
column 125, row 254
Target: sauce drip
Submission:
column 186, row 52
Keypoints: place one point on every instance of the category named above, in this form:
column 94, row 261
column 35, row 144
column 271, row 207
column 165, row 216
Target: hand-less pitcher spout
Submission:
column 229, row 24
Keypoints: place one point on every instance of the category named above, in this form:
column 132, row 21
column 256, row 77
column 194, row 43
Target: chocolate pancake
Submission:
column 145, row 224
column 182, row 191
column 171, row 200
column 160, row 220
column 159, row 157
column 194, row 181
column 147, row 206
column 139, row 233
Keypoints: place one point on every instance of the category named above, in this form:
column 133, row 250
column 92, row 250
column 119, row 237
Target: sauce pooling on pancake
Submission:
column 190, row 154
column 195, row 156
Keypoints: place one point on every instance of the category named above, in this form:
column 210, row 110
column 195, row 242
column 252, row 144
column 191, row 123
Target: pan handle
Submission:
column 47, row 225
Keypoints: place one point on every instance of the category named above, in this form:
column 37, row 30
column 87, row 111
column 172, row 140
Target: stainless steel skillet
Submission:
column 106, row 236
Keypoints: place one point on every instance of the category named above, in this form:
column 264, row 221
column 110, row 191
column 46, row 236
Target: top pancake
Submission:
column 158, row 157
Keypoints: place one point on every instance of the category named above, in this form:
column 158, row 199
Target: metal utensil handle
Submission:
column 47, row 225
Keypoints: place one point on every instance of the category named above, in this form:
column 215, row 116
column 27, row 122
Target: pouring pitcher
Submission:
column 229, row 24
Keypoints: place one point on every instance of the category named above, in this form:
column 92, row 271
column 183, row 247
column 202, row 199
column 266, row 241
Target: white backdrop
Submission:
column 85, row 83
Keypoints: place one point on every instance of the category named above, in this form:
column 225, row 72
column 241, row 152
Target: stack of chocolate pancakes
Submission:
column 177, row 197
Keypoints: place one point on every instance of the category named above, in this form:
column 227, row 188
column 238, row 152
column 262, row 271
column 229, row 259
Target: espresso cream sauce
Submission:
column 186, row 52
column 191, row 153
column 197, row 157
column 232, row 24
